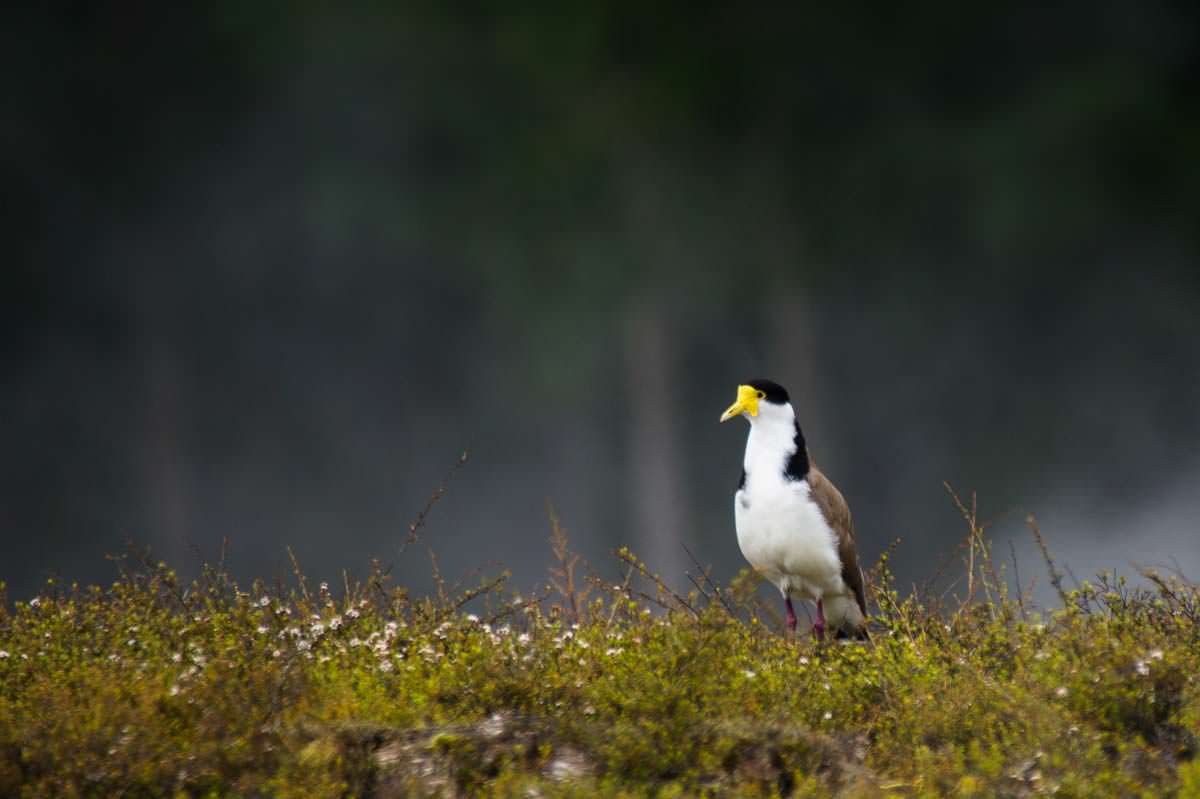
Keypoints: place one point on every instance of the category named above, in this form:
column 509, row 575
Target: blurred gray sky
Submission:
column 269, row 270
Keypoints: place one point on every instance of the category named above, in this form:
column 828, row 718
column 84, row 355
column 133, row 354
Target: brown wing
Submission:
column 837, row 513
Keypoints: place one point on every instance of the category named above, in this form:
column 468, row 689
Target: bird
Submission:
column 793, row 525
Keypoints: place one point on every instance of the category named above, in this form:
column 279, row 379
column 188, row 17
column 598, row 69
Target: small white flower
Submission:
column 426, row 650
column 352, row 613
column 582, row 644
column 263, row 602
column 324, row 587
column 276, row 653
column 471, row 617
column 33, row 603
column 1060, row 692
column 1156, row 654
column 335, row 622
column 3, row 654
column 803, row 661
column 828, row 715
column 174, row 690
column 523, row 638
column 750, row 675
column 317, row 628
column 1141, row 668
column 613, row 651
column 355, row 641
column 303, row 645
column 177, row 657
column 131, row 642
column 385, row 665
column 293, row 631
column 1041, row 656
column 261, row 630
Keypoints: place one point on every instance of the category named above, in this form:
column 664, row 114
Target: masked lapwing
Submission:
column 793, row 525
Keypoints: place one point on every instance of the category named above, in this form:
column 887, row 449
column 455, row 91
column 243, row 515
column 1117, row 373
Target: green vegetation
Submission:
column 153, row 688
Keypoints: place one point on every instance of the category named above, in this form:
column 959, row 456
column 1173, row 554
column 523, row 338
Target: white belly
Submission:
column 783, row 535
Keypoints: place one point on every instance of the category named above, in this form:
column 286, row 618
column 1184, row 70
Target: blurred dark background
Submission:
column 268, row 268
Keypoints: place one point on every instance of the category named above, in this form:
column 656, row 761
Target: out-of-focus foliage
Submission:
column 150, row 688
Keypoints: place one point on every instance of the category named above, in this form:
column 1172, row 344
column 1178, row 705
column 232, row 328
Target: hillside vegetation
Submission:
column 615, row 687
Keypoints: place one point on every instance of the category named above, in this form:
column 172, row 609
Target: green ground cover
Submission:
column 597, row 686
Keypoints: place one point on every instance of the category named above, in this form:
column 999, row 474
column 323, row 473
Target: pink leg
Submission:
column 819, row 627
column 791, row 614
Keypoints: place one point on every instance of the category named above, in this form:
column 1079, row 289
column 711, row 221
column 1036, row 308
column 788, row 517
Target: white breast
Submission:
column 780, row 528
column 783, row 535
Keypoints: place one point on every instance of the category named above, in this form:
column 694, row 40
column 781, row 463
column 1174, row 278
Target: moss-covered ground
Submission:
column 614, row 687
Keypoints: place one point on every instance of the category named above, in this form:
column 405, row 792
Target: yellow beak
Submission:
column 747, row 402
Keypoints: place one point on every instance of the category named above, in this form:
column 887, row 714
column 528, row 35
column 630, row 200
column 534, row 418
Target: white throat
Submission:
column 772, row 440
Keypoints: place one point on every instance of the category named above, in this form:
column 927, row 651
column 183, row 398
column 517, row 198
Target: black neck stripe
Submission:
column 797, row 465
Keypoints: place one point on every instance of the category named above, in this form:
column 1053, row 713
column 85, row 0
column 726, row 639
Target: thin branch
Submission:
column 624, row 589
column 299, row 574
column 631, row 559
column 444, row 486
column 708, row 579
column 1017, row 576
column 1055, row 574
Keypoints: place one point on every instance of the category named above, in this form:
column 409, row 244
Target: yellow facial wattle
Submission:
column 747, row 402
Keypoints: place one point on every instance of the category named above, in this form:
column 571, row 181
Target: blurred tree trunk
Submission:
column 165, row 498
column 656, row 470
column 794, row 357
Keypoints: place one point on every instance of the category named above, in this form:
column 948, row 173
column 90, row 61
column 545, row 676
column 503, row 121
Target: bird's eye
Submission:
column 762, row 395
